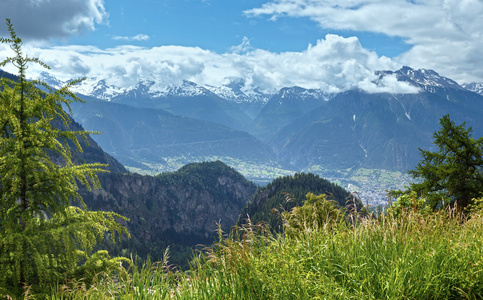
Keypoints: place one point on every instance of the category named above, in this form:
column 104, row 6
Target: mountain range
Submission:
column 299, row 129
column 296, row 128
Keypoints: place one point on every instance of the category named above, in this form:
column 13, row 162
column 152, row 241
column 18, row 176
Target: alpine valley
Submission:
column 345, row 136
column 204, row 142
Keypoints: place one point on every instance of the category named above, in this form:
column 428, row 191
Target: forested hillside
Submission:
column 284, row 193
column 179, row 209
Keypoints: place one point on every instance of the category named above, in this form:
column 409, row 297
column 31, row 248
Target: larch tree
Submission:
column 455, row 172
column 43, row 238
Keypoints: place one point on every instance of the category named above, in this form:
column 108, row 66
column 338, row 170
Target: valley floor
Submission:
column 370, row 185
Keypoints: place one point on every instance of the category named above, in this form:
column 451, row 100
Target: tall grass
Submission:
column 412, row 256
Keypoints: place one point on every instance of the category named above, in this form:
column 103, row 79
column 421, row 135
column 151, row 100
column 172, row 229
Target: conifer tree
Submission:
column 43, row 239
column 455, row 171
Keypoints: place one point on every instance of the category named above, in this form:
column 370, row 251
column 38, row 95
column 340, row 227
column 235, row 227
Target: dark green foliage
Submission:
column 284, row 193
column 42, row 238
column 178, row 209
column 455, row 170
column 317, row 213
column 204, row 176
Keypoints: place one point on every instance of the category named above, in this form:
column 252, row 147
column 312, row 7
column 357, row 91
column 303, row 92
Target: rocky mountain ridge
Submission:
column 297, row 129
column 474, row 87
column 237, row 90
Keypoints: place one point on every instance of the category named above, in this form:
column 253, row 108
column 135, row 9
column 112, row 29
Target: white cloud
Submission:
column 333, row 64
column 447, row 35
column 243, row 47
column 387, row 84
column 44, row 19
column 137, row 37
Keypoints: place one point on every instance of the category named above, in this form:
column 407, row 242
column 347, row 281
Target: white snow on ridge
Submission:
column 238, row 96
column 429, row 79
column 186, row 89
column 474, row 87
column 239, row 91
column 100, row 89
column 305, row 94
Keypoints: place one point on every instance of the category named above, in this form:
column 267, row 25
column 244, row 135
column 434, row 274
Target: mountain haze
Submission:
column 147, row 125
column 285, row 107
column 370, row 130
column 296, row 128
column 137, row 135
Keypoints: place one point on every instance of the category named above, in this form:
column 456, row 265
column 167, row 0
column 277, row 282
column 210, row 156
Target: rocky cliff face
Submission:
column 180, row 208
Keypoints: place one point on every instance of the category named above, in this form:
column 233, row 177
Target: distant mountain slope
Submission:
column 134, row 135
column 358, row 129
column 474, row 87
column 274, row 196
column 285, row 107
column 188, row 99
column 297, row 128
column 91, row 152
column 180, row 209
column 202, row 107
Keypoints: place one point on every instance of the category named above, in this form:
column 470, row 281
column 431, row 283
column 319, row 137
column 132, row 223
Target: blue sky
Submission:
column 216, row 25
column 328, row 44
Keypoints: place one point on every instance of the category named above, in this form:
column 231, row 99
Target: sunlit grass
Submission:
column 438, row 256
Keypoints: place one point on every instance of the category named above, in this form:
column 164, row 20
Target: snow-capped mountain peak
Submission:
column 50, row 80
column 98, row 88
column 425, row 79
column 185, row 89
column 304, row 94
column 474, row 87
column 101, row 89
column 237, row 91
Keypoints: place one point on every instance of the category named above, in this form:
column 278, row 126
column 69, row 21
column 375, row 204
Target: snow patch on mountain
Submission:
column 300, row 94
column 238, row 90
column 474, row 87
column 186, row 89
column 108, row 89
column 50, row 80
column 145, row 88
column 426, row 79
column 97, row 88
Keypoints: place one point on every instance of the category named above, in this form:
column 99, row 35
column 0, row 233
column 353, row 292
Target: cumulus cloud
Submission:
column 446, row 35
column 137, row 37
column 333, row 64
column 44, row 19
column 243, row 47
